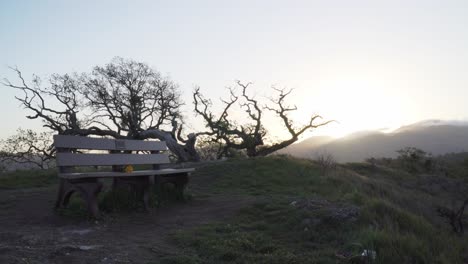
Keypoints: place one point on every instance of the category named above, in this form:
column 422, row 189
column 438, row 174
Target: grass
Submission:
column 121, row 200
column 396, row 218
column 28, row 179
column 265, row 233
column 397, row 222
column 272, row 176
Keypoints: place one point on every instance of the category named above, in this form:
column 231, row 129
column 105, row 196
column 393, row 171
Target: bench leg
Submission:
column 143, row 194
column 180, row 184
column 179, row 180
column 139, row 184
column 158, row 189
column 61, row 194
column 88, row 190
column 66, row 189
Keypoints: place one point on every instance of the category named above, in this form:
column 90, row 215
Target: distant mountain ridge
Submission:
column 433, row 136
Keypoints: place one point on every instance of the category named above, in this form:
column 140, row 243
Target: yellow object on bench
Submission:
column 128, row 169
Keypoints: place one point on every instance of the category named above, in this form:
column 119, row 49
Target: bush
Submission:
column 326, row 162
column 415, row 160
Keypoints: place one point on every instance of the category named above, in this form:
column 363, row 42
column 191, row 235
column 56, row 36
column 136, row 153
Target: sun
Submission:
column 355, row 105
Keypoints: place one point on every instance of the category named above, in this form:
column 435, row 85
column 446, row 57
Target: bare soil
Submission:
column 31, row 232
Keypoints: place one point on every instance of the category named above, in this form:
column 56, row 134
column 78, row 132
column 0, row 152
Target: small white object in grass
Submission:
column 369, row 253
column 90, row 247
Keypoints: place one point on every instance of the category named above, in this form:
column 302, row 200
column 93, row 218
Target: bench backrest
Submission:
column 119, row 151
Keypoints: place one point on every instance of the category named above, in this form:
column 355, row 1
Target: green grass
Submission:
column 28, row 179
column 397, row 222
column 272, row 176
column 397, row 219
column 265, row 233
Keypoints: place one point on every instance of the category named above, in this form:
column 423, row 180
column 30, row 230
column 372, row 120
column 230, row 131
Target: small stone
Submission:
column 306, row 222
column 316, row 221
column 80, row 231
column 88, row 247
column 369, row 253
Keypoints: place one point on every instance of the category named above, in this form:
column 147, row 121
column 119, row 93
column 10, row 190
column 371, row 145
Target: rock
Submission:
column 88, row 247
column 336, row 212
column 80, row 232
column 316, row 221
column 348, row 212
column 369, row 253
column 306, row 222
column 310, row 222
column 66, row 249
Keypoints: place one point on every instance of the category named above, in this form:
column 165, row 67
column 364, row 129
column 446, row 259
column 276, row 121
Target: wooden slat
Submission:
column 110, row 174
column 73, row 159
column 78, row 142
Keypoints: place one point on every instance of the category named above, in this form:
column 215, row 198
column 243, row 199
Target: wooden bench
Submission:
column 115, row 154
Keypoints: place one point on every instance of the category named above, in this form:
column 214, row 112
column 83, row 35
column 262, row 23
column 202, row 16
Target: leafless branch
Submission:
column 250, row 135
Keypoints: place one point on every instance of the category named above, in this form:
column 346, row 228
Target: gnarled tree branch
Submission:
column 250, row 135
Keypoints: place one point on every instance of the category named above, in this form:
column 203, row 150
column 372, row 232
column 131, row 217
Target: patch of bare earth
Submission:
column 31, row 232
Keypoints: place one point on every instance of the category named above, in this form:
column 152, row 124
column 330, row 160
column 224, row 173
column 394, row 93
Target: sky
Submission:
column 366, row 64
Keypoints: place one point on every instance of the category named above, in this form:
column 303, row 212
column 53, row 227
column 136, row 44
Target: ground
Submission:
column 32, row 232
column 266, row 210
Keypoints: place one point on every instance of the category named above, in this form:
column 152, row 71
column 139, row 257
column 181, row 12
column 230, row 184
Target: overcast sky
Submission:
column 367, row 64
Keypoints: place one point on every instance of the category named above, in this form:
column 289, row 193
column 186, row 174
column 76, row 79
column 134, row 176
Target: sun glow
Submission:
column 355, row 105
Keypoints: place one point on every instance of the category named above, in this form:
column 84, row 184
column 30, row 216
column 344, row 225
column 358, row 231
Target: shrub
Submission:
column 326, row 162
column 415, row 160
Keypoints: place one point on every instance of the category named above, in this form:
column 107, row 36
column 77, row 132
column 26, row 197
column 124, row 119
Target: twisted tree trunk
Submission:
column 184, row 152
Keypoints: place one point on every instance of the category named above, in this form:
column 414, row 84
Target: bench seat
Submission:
column 111, row 174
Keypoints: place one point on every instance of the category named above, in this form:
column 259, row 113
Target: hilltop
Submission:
column 277, row 209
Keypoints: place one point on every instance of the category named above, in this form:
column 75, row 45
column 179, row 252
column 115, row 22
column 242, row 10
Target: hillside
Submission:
column 266, row 210
column 434, row 137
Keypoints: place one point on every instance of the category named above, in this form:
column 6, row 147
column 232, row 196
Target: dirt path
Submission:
column 30, row 231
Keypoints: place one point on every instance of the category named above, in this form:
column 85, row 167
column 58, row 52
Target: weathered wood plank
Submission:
column 108, row 174
column 78, row 142
column 74, row 159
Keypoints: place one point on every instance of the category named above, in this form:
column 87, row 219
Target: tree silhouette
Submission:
column 28, row 147
column 123, row 99
column 250, row 136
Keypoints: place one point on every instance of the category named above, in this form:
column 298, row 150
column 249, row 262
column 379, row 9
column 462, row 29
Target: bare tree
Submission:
column 139, row 103
column 61, row 93
column 28, row 147
column 123, row 99
column 132, row 96
column 250, row 135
